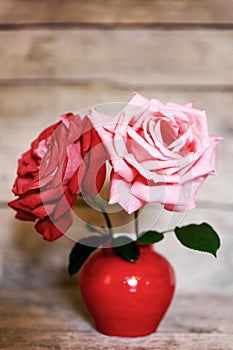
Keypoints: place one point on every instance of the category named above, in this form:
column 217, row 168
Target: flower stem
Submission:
column 167, row 231
column 136, row 222
column 106, row 217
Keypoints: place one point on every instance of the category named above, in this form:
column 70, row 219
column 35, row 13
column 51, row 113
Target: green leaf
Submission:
column 81, row 251
column 126, row 248
column 199, row 237
column 150, row 237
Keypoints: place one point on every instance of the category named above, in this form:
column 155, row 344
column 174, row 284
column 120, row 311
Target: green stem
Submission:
column 136, row 222
column 167, row 231
column 107, row 218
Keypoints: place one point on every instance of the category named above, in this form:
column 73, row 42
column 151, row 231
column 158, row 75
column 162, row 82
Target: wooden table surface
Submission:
column 59, row 56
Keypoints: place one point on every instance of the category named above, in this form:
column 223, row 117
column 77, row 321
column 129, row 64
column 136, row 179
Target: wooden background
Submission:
column 59, row 56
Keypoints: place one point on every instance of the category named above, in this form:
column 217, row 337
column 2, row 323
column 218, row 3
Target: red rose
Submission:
column 93, row 169
column 50, row 176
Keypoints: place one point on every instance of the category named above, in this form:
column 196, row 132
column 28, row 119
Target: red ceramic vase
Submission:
column 123, row 298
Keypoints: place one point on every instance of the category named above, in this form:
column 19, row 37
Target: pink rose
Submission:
column 159, row 153
column 50, row 176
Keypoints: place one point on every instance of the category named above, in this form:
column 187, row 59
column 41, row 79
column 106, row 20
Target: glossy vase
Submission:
column 123, row 298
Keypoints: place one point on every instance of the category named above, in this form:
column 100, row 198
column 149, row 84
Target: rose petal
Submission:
column 120, row 193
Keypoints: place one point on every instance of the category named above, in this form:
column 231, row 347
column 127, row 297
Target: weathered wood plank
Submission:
column 132, row 57
column 24, row 340
column 25, row 111
column 116, row 11
column 75, row 336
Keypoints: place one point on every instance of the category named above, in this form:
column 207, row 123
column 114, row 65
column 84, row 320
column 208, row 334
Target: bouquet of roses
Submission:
column 158, row 153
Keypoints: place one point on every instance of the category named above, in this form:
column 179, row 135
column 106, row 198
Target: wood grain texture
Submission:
column 116, row 11
column 131, row 57
column 56, row 319
column 58, row 56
